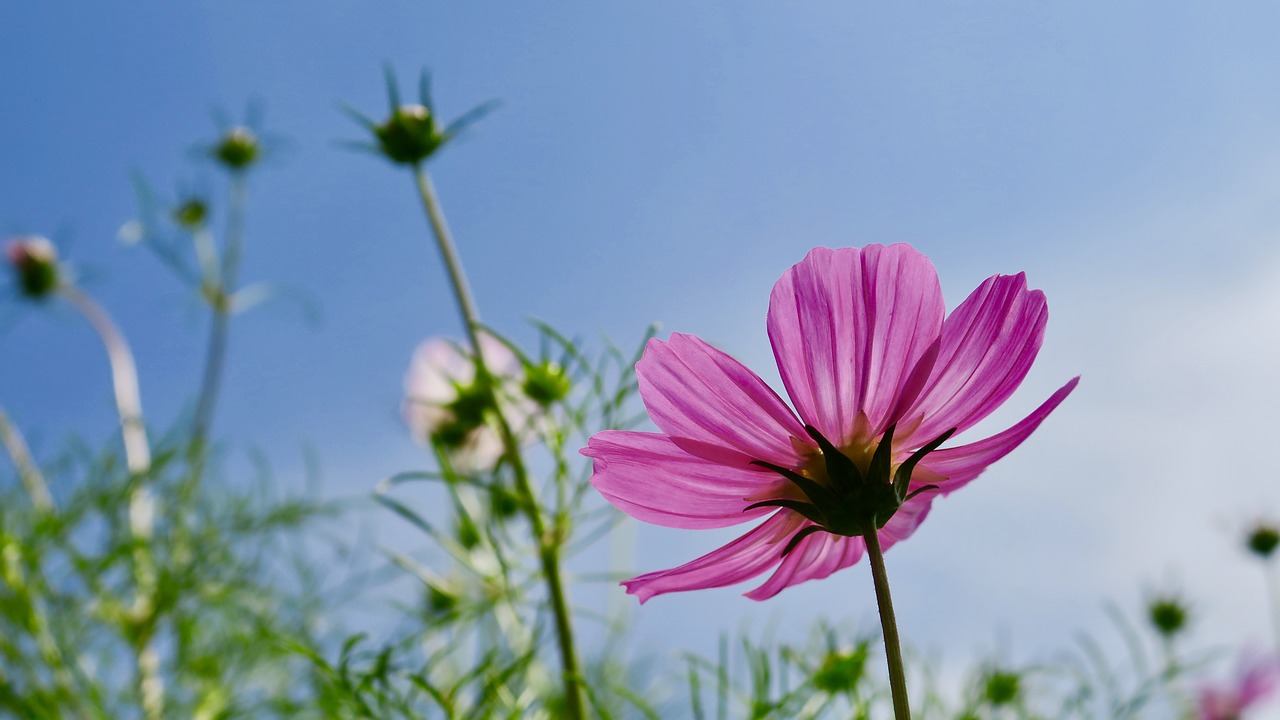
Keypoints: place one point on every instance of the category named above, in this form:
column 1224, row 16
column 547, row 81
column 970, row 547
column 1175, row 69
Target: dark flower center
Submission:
column 855, row 500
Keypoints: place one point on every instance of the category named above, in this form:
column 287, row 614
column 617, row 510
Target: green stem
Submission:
column 142, row 504
column 548, row 543
column 222, row 287
column 28, row 473
column 892, row 646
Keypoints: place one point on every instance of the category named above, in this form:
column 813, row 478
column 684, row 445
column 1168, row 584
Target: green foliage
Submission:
column 224, row 608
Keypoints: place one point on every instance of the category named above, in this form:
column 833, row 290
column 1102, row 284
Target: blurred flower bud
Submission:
column 191, row 214
column 440, row 601
column 546, row 383
column 238, row 149
column 468, row 534
column 410, row 135
column 35, row 265
column 1001, row 687
column 502, row 502
column 841, row 671
column 447, row 406
column 1263, row 540
column 1168, row 615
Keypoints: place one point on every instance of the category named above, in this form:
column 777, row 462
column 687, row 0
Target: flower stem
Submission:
column 548, row 543
column 28, row 473
column 137, row 453
column 892, row 646
column 222, row 288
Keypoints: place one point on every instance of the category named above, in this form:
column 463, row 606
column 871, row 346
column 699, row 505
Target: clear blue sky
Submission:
column 667, row 161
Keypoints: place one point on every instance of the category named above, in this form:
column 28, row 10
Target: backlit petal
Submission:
column 742, row 559
column 650, row 478
column 953, row 468
column 988, row 345
column 695, row 391
column 816, row 557
column 848, row 328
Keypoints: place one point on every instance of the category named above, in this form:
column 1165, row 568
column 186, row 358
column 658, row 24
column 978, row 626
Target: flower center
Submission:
column 851, row 491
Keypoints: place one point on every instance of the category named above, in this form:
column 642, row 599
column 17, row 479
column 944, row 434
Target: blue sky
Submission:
column 667, row 161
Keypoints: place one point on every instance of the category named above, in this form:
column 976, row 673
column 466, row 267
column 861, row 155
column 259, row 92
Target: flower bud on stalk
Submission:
column 1263, row 539
column 1168, row 615
column 191, row 214
column 238, row 149
column 546, row 383
column 410, row 135
column 35, row 264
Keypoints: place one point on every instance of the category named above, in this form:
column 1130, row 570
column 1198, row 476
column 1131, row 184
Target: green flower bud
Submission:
column 238, row 149
column 35, row 265
column 841, row 671
column 1168, row 615
column 468, row 534
column 546, row 383
column 503, row 503
column 191, row 214
column 440, row 601
column 410, row 135
column 1001, row 687
column 1263, row 540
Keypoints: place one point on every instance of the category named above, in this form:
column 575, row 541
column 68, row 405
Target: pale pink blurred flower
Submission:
column 443, row 403
column 1256, row 678
column 860, row 339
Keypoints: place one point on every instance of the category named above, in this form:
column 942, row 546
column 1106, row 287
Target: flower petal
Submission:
column 745, row 557
column 909, row 517
column 814, row 558
column 821, row 554
column 848, row 328
column 953, row 468
column 988, row 345
column 650, row 478
column 695, row 391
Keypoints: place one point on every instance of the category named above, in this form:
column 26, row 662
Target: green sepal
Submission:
column 817, row 493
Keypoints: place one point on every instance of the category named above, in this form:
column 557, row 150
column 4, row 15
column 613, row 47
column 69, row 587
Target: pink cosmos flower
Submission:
column 1257, row 677
column 444, row 404
column 878, row 377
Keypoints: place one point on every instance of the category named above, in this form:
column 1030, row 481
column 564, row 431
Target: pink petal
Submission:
column 821, row 554
column 816, row 557
column 954, row 467
column 650, row 478
column 848, row 328
column 745, row 557
column 988, row 345
column 904, row 522
column 695, row 391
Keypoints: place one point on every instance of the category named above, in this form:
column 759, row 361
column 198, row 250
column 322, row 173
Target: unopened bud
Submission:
column 35, row 265
column 440, row 601
column 546, row 383
column 1001, row 687
column 410, row 135
column 1263, row 540
column 191, row 214
column 841, row 670
column 238, row 149
column 1168, row 615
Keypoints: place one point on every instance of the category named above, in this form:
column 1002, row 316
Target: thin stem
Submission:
column 124, row 377
column 892, row 646
column 548, row 543
column 137, row 451
column 220, row 288
column 28, row 473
